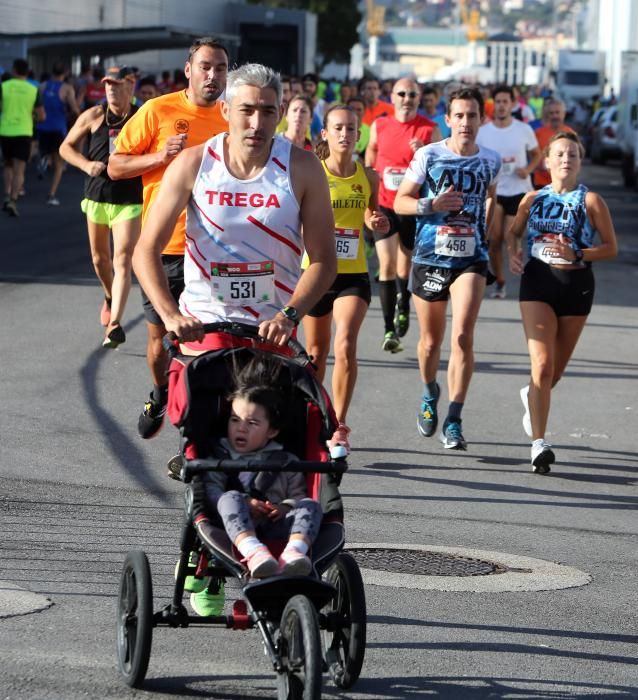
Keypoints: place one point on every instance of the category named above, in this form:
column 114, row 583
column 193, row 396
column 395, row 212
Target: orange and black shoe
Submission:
column 114, row 336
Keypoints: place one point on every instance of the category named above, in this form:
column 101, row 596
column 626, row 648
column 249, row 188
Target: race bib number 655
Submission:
column 347, row 243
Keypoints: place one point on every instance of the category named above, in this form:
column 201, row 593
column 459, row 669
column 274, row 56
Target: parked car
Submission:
column 604, row 143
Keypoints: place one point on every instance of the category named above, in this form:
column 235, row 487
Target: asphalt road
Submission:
column 79, row 488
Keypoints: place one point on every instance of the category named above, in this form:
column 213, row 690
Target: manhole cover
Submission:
column 414, row 561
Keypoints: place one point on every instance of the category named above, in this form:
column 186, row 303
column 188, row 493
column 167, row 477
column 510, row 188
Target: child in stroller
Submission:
column 292, row 613
column 274, row 505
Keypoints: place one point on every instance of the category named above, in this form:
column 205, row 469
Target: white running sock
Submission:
column 248, row 545
column 299, row 545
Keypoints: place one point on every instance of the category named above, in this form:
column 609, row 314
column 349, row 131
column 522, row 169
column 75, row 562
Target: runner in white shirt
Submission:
column 516, row 143
column 254, row 203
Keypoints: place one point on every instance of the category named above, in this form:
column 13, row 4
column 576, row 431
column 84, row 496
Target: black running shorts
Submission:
column 15, row 148
column 568, row 292
column 432, row 283
column 49, row 141
column 405, row 226
column 351, row 284
column 510, row 204
column 174, row 268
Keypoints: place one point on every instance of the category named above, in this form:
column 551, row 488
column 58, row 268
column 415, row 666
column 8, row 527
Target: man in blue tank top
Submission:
column 58, row 98
column 450, row 186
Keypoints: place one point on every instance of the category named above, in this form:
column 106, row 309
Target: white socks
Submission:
column 248, row 545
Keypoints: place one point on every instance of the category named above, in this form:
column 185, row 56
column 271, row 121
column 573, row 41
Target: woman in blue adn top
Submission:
column 560, row 222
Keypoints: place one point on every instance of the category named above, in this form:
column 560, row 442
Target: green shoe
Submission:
column 191, row 583
column 209, row 601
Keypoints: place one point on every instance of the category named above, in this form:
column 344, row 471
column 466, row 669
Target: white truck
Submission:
column 627, row 124
column 579, row 75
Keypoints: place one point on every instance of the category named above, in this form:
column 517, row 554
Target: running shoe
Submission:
column 391, row 342
column 209, row 601
column 12, row 208
column 115, row 336
column 452, row 437
column 401, row 319
column 427, row 419
column 542, row 456
column 191, row 583
column 53, row 201
column 151, row 418
column 527, row 419
column 261, row 563
column 293, row 563
column 338, row 443
column 105, row 312
column 499, row 291
column 174, row 467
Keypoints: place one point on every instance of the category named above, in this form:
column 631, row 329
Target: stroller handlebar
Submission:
column 240, row 330
column 193, row 467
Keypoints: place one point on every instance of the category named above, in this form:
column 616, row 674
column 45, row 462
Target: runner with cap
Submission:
column 110, row 207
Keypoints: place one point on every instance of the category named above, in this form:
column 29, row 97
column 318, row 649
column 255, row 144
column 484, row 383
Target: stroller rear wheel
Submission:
column 299, row 648
column 345, row 645
column 134, row 626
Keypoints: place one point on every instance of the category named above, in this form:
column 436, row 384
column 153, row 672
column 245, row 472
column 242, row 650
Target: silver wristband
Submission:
column 424, row 206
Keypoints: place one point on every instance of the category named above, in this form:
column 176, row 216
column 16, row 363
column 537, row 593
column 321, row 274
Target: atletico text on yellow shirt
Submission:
column 350, row 197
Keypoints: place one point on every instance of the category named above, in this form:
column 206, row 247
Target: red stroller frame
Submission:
column 288, row 611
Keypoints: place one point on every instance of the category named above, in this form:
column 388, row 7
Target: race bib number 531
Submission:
column 241, row 283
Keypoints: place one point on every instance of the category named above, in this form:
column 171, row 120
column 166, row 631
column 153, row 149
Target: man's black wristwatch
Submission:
column 291, row 314
column 579, row 254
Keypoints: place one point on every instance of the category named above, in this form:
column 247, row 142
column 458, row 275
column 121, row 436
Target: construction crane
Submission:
column 376, row 19
column 471, row 18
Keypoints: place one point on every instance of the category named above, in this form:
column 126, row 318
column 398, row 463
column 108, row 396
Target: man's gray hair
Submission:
column 255, row 75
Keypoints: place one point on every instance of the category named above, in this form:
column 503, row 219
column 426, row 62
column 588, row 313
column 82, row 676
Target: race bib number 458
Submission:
column 455, row 241
column 242, row 283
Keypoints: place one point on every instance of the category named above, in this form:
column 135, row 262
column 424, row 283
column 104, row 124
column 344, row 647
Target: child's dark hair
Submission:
column 258, row 382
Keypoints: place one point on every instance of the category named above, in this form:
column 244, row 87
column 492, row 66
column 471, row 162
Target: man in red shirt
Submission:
column 393, row 141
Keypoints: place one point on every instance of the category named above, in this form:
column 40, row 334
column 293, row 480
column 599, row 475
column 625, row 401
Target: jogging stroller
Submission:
column 308, row 624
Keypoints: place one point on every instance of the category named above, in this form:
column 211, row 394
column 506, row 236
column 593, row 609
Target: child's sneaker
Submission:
column 293, row 563
column 261, row 563
column 210, row 601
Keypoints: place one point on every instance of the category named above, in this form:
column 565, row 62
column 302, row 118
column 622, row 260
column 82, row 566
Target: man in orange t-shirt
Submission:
column 370, row 91
column 553, row 122
column 147, row 144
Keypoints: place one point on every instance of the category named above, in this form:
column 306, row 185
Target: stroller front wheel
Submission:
column 134, row 625
column 299, row 647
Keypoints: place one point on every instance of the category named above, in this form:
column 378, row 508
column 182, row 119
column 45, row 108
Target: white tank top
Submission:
column 243, row 239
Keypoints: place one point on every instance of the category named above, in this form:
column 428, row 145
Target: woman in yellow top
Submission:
column 353, row 191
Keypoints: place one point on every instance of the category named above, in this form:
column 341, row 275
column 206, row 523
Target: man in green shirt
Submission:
column 19, row 99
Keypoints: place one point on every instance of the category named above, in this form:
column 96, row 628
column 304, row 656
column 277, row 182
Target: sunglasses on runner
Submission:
column 403, row 93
